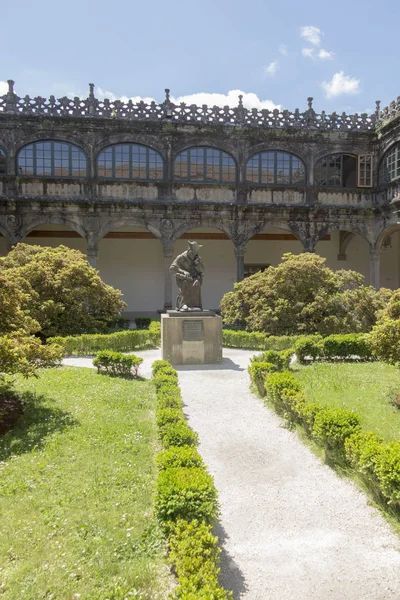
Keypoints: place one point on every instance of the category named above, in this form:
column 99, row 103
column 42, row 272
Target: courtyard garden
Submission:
column 104, row 494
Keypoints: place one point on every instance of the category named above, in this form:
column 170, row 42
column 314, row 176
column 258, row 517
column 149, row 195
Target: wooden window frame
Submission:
column 363, row 174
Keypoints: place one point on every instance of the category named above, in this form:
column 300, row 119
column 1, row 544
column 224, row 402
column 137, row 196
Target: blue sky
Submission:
column 345, row 54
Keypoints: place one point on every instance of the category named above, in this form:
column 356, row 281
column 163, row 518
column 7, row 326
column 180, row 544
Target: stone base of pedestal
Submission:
column 191, row 338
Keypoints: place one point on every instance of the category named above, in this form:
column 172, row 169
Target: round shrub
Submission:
column 166, row 416
column 179, row 456
column 168, row 381
column 332, row 426
column 168, row 400
column 185, row 494
column 159, row 364
column 385, row 340
column 178, row 434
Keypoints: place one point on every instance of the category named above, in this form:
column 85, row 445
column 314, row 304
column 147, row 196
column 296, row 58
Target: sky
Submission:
column 344, row 54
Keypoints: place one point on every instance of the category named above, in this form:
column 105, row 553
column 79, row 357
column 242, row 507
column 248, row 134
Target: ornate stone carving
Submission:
column 183, row 113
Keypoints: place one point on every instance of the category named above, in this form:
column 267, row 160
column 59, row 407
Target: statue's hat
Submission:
column 194, row 246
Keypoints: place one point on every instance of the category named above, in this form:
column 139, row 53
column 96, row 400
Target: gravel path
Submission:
column 290, row 527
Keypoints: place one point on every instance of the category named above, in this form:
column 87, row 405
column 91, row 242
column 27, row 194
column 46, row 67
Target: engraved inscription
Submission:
column 193, row 331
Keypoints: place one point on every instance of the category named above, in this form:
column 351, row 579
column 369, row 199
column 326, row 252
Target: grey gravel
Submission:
column 290, row 527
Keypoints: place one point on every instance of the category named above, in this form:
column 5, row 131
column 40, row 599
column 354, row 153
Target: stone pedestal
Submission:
column 191, row 338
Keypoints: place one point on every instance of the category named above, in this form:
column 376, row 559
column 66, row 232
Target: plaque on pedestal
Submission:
column 191, row 339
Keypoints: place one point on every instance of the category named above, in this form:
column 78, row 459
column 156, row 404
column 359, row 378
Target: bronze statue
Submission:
column 188, row 268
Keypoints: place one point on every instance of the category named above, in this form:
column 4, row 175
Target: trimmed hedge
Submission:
column 255, row 340
column 186, row 498
column 121, row 341
column 116, row 363
column 184, row 456
column 186, row 493
column 339, row 432
column 195, row 555
column 351, row 346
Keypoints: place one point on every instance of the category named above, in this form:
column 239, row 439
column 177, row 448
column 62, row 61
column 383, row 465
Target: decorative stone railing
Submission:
column 167, row 111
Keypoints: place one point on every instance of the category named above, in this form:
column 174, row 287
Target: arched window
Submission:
column 3, row 162
column 52, row 159
column 207, row 165
column 336, row 170
column 389, row 169
column 275, row 168
column 130, row 161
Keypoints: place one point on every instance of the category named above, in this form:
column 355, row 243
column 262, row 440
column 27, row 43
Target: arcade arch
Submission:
column 388, row 249
column 345, row 249
column 267, row 247
column 131, row 259
column 51, row 234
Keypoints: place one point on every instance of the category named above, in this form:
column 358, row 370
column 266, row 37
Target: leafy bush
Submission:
column 347, row 347
column 20, row 350
column 178, row 434
column 155, row 333
column 276, row 383
column 385, row 340
column 116, row 363
column 308, row 347
column 89, row 344
column 166, row 416
column 179, row 456
column 169, row 398
column 280, row 358
column 332, row 426
column 142, row 322
column 167, row 379
column 159, row 364
column 62, row 292
column 258, row 372
column 302, row 295
column 255, row 340
column 387, row 470
column 362, row 449
column 195, row 555
column 334, row 347
column 186, row 494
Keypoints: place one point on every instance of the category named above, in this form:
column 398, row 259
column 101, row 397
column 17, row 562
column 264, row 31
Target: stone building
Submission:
column 129, row 183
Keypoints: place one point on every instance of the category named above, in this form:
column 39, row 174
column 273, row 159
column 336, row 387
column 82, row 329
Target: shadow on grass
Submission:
column 230, row 577
column 129, row 377
column 34, row 426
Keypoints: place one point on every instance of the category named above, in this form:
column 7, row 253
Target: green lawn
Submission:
column 366, row 388
column 77, row 477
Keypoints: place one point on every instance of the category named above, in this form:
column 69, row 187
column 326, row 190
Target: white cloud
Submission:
column 325, row 54
column 308, row 52
column 283, row 49
column 340, row 84
column 272, row 68
column 311, row 34
column 250, row 100
column 3, row 88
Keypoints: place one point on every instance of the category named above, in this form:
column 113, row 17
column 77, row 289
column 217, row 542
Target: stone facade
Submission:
column 166, row 210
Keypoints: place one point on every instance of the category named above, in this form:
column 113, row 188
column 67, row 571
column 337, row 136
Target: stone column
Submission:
column 374, row 257
column 309, row 245
column 92, row 252
column 240, row 252
column 168, row 250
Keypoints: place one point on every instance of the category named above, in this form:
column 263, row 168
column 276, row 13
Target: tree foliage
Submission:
column 60, row 290
column 302, row 295
column 20, row 350
column 385, row 336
